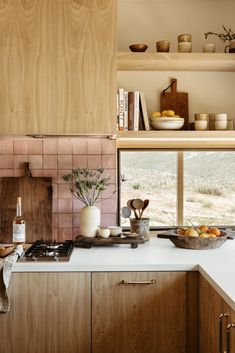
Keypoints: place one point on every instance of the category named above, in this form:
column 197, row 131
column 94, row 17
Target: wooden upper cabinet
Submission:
column 57, row 66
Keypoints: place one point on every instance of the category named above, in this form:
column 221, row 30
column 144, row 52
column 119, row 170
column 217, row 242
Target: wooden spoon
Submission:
column 138, row 204
column 129, row 204
column 146, row 203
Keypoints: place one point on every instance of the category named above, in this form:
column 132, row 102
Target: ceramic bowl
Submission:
column 138, row 47
column 167, row 123
column 103, row 232
column 115, row 231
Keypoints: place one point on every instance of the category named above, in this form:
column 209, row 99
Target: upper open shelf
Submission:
column 128, row 61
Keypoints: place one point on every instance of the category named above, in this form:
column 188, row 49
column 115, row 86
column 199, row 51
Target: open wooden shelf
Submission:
column 128, row 61
column 176, row 139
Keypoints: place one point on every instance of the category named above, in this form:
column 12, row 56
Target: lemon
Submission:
column 164, row 112
column 156, row 115
column 170, row 113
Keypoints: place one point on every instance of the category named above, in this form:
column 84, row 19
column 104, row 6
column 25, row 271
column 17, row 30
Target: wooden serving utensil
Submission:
column 129, row 204
column 138, row 204
column 146, row 203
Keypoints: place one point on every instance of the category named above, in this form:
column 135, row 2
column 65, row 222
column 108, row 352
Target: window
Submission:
column 182, row 186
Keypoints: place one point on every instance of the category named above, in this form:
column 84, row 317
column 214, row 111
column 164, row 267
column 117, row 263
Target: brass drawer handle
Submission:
column 151, row 281
column 228, row 336
column 221, row 331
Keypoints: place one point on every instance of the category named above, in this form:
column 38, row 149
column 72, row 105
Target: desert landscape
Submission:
column 209, row 185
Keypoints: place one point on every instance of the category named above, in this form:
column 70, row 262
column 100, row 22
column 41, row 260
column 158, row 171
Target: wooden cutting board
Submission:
column 177, row 101
column 36, row 194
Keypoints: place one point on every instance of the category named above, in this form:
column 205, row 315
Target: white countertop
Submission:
column 217, row 265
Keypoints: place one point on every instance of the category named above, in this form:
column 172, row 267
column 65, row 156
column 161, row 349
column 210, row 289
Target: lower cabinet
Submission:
column 215, row 315
column 139, row 312
column 50, row 313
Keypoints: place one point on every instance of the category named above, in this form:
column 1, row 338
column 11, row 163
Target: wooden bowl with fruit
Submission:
column 197, row 238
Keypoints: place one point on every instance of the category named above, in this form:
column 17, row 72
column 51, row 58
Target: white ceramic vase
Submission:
column 89, row 221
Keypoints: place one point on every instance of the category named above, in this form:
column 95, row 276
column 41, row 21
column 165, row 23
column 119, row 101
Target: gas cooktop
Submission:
column 49, row 251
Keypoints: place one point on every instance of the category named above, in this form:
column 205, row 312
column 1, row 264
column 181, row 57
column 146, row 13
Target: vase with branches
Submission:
column 227, row 36
column 86, row 185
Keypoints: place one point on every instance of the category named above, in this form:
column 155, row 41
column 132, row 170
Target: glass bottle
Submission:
column 18, row 225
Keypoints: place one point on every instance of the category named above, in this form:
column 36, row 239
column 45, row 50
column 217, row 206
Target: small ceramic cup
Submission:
column 221, row 121
column 184, row 47
column 163, row 46
column 184, row 38
column 103, row 232
column 201, row 125
column 201, row 116
column 208, row 48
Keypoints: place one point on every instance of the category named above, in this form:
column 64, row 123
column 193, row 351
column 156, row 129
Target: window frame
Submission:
column 179, row 177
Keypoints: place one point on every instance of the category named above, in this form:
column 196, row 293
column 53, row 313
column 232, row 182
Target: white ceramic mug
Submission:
column 208, row 48
column 184, row 47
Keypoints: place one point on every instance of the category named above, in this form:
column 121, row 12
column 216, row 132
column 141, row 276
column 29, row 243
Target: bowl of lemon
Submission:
column 166, row 120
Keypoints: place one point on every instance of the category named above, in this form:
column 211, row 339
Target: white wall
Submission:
column 147, row 21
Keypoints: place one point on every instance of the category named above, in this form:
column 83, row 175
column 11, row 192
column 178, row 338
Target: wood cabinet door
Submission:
column 210, row 309
column 147, row 314
column 57, row 66
column 49, row 313
column 231, row 320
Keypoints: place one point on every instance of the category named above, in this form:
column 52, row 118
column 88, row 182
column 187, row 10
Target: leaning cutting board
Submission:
column 36, row 194
column 177, row 101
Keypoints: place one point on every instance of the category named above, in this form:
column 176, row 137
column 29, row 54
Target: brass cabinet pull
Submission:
column 228, row 336
column 221, row 332
column 151, row 281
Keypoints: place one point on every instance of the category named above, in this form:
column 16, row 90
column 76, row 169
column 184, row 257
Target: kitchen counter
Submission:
column 217, row 265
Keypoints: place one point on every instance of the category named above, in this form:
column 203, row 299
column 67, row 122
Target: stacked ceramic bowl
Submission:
column 185, row 43
column 221, row 121
column 201, row 121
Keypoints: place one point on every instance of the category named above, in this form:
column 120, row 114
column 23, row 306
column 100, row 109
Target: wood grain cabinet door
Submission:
column 50, row 313
column 139, row 312
column 229, row 329
column 57, row 66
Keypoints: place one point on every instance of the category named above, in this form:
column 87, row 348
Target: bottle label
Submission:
column 18, row 233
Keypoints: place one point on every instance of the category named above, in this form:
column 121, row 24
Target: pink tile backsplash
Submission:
column 54, row 158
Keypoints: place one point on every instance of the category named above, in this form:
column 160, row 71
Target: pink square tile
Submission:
column 50, row 146
column 37, row 173
column 113, row 175
column 108, row 146
column 54, row 190
column 61, row 173
column 64, row 161
column 49, row 161
column 77, row 205
column 79, row 161
column 65, row 220
column 19, row 161
column 65, row 146
column 64, row 192
column 55, row 221
column 6, row 162
column 19, row 172
column 93, row 161
column 108, row 219
column 54, row 205
column 109, row 206
column 65, row 205
column 110, row 192
column 76, row 232
column 55, row 234
column 76, row 220
column 21, row 146
column 51, row 173
column 6, row 172
column 35, row 146
column 109, row 161
column 35, row 161
column 93, row 146
column 6, row 146
column 65, row 234
column 79, row 146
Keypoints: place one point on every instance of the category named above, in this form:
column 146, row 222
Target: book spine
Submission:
column 125, row 111
column 136, row 110
column 130, row 111
column 144, row 112
column 121, row 109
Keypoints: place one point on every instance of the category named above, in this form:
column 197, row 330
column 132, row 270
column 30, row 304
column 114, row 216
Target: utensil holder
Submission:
column 140, row 226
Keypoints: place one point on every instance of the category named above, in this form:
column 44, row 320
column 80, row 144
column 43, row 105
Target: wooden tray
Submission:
column 86, row 242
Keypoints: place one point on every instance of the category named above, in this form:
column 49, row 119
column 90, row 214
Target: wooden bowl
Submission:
column 194, row 243
column 138, row 47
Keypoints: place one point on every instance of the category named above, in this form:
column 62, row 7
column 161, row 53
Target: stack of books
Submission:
column 131, row 111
